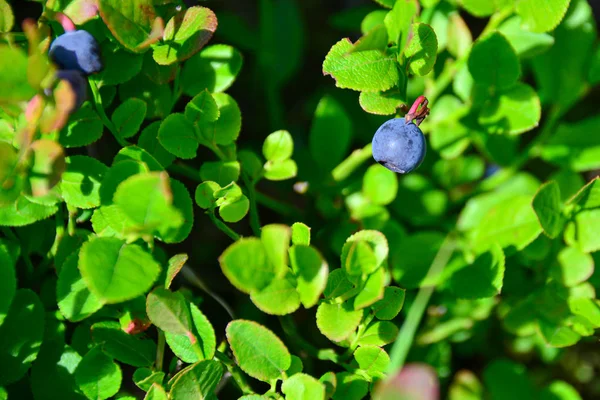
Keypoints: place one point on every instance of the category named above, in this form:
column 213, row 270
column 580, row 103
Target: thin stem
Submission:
column 222, row 226
column 235, row 372
column 406, row 335
column 160, row 350
column 278, row 206
column 185, row 170
column 71, row 222
column 350, row 164
column 97, row 98
column 60, row 230
column 176, row 87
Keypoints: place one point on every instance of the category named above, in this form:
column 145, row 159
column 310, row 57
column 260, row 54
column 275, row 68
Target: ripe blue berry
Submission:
column 76, row 50
column 78, row 84
column 399, row 145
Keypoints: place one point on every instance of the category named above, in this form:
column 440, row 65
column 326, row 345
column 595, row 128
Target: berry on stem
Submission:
column 75, row 49
column 399, row 144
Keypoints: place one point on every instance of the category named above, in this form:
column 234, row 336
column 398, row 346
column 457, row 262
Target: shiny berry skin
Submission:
column 76, row 50
column 399, row 145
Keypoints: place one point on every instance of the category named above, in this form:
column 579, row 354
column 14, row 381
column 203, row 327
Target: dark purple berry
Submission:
column 399, row 145
column 76, row 50
column 78, row 84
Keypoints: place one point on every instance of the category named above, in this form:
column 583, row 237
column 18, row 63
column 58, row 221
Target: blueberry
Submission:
column 78, row 84
column 399, row 145
column 76, row 50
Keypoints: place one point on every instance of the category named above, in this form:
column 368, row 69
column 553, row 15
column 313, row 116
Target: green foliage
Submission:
column 300, row 269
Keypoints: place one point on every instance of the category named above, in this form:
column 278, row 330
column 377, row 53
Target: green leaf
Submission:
column 337, row 284
column 80, row 184
column 115, row 271
column 499, row 372
column 369, row 71
column 589, row 195
column 547, row 205
column 246, row 265
column 98, row 376
column 534, row 21
column 460, row 38
column 380, row 185
column 390, row 305
column 221, row 172
column 382, row 103
column 311, row 272
column 14, row 85
column 479, row 8
column 145, row 378
column 258, row 351
column 417, row 253
column 350, row 387
column 128, row 117
column 303, row 387
column 185, row 34
column 138, row 154
column 330, row 381
column 481, row 279
column 373, row 360
column 559, row 390
column 561, row 72
column 300, row 234
column 573, row 146
column 276, row 242
column 148, row 141
column 278, row 146
column 158, row 98
column 494, row 63
column 512, row 111
column 226, row 129
column 127, row 24
column 233, row 205
column 122, row 346
column 586, row 229
column 203, row 332
column 147, row 200
column 378, row 333
column 556, row 335
column 511, row 223
column 280, row 170
column 399, row 22
column 364, row 252
column 75, row 301
column 119, row 65
column 214, row 69
column 182, row 202
column 422, row 49
column 21, row 334
column 204, row 195
column 177, row 135
column 280, row 297
column 8, row 280
column 202, row 109
column 326, row 148
column 24, row 212
column 168, row 311
column 156, row 392
column 375, row 39
column 84, row 128
column 7, row 18
column 372, row 291
column 573, row 267
column 197, row 381
column 119, row 172
column 525, row 42
column 386, row 3
column 175, row 264
column 337, row 321
column 53, row 371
